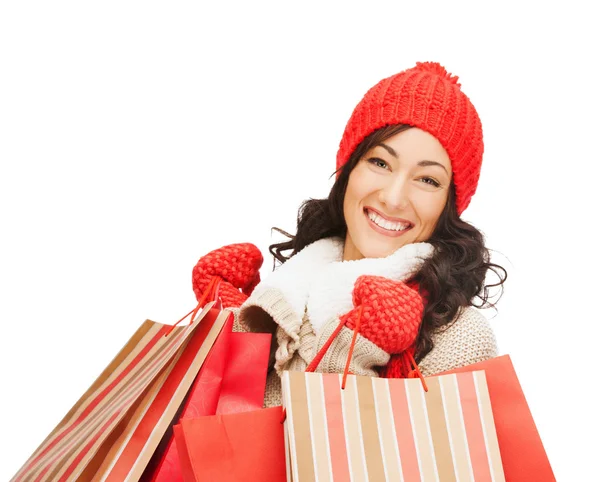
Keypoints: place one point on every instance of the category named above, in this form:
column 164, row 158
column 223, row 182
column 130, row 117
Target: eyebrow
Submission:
column 423, row 163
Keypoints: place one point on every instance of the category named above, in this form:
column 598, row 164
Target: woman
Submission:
column 387, row 245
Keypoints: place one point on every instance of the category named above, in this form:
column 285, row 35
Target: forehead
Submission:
column 414, row 145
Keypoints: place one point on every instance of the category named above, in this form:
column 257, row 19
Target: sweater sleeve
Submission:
column 366, row 355
column 470, row 339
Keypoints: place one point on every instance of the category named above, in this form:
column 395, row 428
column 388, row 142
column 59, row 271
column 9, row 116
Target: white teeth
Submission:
column 383, row 223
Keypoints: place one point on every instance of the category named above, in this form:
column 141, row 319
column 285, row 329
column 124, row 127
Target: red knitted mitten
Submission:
column 237, row 265
column 392, row 312
column 398, row 366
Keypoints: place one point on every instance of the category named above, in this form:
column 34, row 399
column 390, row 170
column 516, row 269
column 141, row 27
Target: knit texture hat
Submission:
column 428, row 97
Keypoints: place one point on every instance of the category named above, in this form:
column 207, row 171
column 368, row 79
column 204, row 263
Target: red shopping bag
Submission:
column 523, row 455
column 232, row 380
column 114, row 428
column 245, row 380
column 246, row 446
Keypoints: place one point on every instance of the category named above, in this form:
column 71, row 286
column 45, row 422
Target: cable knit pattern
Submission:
column 470, row 339
column 305, row 349
column 396, row 368
column 428, row 97
column 230, row 296
column 268, row 311
column 237, row 264
column 366, row 356
column 391, row 312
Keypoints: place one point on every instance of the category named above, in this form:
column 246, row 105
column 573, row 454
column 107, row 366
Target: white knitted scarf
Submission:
column 317, row 281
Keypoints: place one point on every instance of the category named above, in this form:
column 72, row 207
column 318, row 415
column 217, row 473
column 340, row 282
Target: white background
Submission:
column 137, row 136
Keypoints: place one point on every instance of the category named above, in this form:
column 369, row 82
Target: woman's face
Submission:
column 396, row 194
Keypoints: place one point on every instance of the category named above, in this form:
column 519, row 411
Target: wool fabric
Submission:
column 468, row 339
column 391, row 312
column 237, row 264
column 428, row 97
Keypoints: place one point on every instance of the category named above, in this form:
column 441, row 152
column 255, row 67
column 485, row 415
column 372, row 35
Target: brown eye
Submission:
column 430, row 181
column 378, row 162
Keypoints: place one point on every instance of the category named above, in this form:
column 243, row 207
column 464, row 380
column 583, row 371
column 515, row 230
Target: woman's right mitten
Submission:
column 238, row 267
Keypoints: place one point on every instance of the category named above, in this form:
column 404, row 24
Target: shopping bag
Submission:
column 202, row 399
column 232, row 380
column 523, row 454
column 112, row 431
column 246, row 446
column 390, row 429
column 243, row 387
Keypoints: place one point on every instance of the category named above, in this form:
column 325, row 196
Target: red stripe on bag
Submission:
column 157, row 408
column 404, row 430
column 86, row 449
column 116, row 406
column 123, row 401
column 335, row 427
column 472, row 417
column 98, row 399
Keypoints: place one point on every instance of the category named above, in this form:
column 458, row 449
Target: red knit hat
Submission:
column 427, row 97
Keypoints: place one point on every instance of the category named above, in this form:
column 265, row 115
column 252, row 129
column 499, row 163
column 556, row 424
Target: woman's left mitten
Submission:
column 392, row 312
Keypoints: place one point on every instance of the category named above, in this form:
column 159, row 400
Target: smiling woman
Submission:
column 396, row 194
column 387, row 246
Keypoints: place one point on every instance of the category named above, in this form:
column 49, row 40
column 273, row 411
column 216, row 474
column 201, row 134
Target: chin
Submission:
column 378, row 249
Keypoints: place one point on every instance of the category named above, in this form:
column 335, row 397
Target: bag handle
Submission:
column 321, row 353
column 406, row 354
column 312, row 367
column 211, row 293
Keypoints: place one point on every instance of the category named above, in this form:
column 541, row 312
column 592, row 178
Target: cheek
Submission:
column 350, row 211
column 361, row 184
column 352, row 197
column 430, row 211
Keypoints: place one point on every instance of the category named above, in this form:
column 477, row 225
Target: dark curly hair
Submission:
column 454, row 277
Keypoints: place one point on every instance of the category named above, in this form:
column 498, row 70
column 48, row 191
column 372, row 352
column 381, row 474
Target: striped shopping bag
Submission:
column 378, row 429
column 113, row 430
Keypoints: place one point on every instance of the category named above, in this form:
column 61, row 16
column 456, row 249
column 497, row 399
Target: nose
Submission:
column 394, row 194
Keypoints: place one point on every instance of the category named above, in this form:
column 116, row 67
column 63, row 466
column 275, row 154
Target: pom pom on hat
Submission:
column 435, row 68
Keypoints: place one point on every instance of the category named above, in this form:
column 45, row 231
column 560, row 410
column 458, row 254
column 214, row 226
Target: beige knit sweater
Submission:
column 468, row 340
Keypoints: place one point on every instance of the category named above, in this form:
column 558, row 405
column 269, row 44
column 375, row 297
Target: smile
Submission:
column 386, row 226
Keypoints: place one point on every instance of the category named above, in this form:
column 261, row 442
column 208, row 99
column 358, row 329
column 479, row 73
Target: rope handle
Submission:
column 211, row 293
column 312, row 367
column 321, row 353
column 415, row 372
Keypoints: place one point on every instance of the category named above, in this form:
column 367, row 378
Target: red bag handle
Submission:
column 211, row 293
column 319, row 356
column 321, row 353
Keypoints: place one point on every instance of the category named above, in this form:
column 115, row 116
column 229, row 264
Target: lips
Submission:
column 387, row 225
